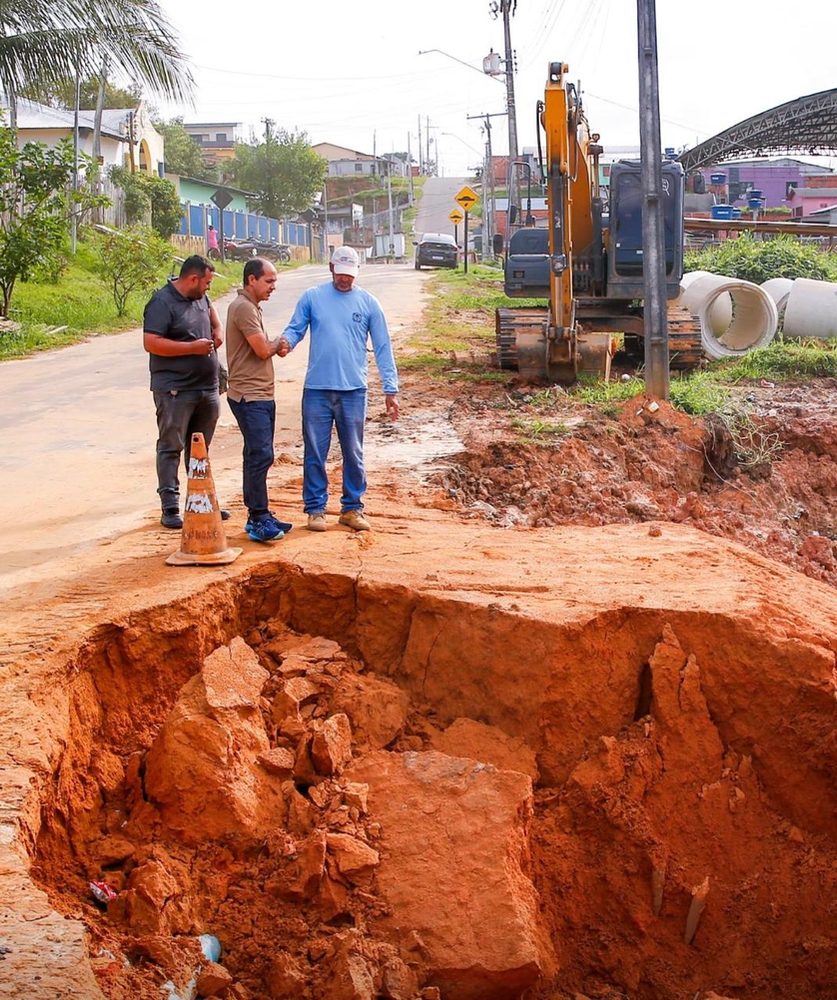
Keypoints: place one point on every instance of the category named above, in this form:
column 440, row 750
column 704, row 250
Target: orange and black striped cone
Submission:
column 203, row 541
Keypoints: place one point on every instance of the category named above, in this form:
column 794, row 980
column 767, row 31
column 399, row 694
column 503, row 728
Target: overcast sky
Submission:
column 343, row 71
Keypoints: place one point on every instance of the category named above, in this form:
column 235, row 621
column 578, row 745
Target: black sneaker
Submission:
column 225, row 515
column 171, row 518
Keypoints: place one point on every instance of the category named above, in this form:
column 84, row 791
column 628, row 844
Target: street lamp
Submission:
column 476, row 69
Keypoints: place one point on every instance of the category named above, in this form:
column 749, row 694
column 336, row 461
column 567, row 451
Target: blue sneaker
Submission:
column 284, row 526
column 264, row 530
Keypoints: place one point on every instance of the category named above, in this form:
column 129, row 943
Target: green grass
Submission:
column 81, row 302
column 535, row 430
column 780, row 362
column 460, row 318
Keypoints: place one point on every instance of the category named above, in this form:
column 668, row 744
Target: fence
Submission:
column 241, row 225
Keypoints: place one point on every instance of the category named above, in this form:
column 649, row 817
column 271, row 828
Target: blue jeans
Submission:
column 321, row 410
column 180, row 415
column 257, row 420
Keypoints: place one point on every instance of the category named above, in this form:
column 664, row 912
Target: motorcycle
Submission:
column 274, row 251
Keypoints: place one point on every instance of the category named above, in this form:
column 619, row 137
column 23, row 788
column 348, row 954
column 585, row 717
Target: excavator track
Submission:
column 685, row 348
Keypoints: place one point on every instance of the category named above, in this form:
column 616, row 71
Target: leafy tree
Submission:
column 62, row 94
column 146, row 192
column 283, row 172
column 183, row 154
column 35, row 206
column 45, row 41
column 134, row 260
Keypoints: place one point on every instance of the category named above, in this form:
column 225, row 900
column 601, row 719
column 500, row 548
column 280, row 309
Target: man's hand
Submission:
column 283, row 348
column 392, row 407
column 202, row 347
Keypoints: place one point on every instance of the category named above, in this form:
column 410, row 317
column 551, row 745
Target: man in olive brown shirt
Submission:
column 251, row 393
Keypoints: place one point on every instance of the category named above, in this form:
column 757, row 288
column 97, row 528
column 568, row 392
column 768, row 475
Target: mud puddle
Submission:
column 389, row 794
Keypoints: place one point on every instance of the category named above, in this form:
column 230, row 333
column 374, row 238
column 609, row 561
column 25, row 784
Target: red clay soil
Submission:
column 641, row 466
column 345, row 838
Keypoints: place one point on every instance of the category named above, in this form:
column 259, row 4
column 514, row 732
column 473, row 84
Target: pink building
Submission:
column 803, row 201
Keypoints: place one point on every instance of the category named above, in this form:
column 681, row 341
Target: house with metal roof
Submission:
column 804, row 201
column 128, row 136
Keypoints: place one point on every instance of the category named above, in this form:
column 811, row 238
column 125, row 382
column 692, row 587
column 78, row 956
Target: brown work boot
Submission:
column 355, row 520
column 317, row 522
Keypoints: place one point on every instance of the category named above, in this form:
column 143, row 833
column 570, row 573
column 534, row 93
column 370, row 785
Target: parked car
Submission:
column 436, row 250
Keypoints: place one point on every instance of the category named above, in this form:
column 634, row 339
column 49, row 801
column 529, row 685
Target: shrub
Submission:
column 758, row 260
column 146, row 193
column 134, row 260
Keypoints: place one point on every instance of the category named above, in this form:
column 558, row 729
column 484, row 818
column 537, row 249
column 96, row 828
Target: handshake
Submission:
column 281, row 347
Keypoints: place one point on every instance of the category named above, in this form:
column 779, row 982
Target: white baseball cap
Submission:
column 346, row 261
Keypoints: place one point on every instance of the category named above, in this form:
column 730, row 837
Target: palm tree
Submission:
column 47, row 40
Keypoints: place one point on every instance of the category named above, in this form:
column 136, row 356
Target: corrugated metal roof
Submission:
column 31, row 115
column 813, row 192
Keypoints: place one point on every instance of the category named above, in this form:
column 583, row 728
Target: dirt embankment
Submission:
column 640, row 465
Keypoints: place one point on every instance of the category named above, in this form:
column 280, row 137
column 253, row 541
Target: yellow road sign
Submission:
column 467, row 198
column 456, row 216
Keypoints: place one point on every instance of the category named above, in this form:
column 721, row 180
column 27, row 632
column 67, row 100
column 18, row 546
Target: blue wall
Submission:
column 243, row 224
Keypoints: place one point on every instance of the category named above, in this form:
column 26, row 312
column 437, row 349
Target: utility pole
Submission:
column 421, row 162
column 653, row 235
column 391, row 251
column 507, row 8
column 76, row 105
column 488, row 181
column 427, row 139
column 374, row 152
column 410, row 170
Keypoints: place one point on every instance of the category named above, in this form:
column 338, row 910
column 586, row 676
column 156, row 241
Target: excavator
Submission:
column 587, row 262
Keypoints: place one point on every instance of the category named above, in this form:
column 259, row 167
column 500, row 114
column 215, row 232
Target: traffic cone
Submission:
column 203, row 541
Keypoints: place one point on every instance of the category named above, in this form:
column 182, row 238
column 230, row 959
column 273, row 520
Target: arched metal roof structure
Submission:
column 807, row 123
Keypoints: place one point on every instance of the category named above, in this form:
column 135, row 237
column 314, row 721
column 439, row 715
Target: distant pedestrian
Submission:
column 341, row 318
column 182, row 334
column 251, row 393
column 212, row 239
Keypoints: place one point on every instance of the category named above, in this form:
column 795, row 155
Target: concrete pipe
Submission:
column 779, row 289
column 812, row 309
column 753, row 317
column 720, row 315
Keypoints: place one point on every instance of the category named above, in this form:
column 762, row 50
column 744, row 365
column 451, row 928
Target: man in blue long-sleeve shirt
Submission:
column 341, row 318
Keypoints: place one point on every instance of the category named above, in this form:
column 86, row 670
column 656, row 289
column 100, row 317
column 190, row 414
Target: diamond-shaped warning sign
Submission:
column 467, row 198
column 456, row 216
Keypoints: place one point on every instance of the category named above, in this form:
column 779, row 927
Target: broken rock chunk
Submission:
column 455, row 850
column 202, row 771
column 279, row 760
column 354, row 859
column 377, row 709
column 213, row 979
column 331, row 747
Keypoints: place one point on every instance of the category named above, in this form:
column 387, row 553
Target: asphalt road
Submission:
column 78, row 430
column 437, row 203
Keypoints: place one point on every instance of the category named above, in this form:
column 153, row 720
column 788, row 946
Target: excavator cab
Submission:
column 527, row 265
column 624, row 255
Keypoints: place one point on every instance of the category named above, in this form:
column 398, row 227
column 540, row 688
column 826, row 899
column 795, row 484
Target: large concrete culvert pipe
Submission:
column 736, row 317
column 779, row 289
column 812, row 309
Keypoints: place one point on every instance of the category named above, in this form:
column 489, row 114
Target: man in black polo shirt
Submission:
column 182, row 334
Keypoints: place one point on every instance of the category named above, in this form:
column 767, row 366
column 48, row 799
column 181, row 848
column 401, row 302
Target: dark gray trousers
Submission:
column 180, row 415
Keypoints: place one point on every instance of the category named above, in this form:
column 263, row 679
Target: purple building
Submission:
column 730, row 182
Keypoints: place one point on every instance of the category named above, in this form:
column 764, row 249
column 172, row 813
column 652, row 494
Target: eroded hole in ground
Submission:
column 372, row 794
